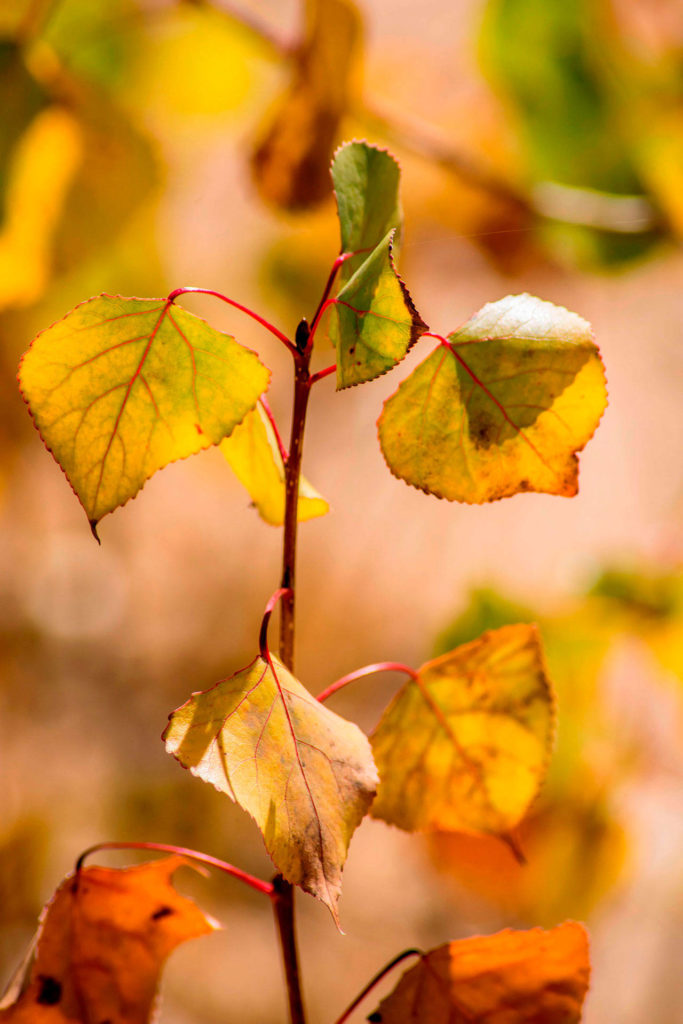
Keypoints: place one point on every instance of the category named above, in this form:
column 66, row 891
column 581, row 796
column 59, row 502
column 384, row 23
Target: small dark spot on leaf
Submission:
column 162, row 912
column 524, row 485
column 375, row 1017
column 352, row 350
column 50, row 990
column 198, row 429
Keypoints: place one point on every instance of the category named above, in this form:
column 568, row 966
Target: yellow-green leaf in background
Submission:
column 42, row 171
column 373, row 322
column 121, row 387
column 254, row 456
column 513, row 977
column 23, row 99
column 291, row 162
column 304, row 774
column 465, row 745
column 501, row 406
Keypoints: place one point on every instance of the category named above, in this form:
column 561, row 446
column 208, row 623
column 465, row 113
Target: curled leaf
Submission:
column 103, row 939
column 374, row 322
column 513, row 977
column 121, row 387
column 304, row 774
column 502, row 406
column 465, row 745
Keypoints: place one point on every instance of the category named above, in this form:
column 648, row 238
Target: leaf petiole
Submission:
column 237, row 305
column 265, row 405
column 375, row 981
column 367, row 670
column 266, row 888
column 263, row 634
column 321, row 374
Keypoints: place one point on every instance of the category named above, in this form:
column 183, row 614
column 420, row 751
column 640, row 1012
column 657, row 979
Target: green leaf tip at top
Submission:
column 501, row 406
column 120, row 387
column 366, row 186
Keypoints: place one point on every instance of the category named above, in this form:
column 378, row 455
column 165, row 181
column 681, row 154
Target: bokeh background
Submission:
column 148, row 144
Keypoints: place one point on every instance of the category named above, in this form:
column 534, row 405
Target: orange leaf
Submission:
column 101, row 944
column 530, row 977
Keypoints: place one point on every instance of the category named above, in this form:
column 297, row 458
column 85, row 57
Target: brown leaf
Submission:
column 291, row 163
column 101, row 944
column 513, row 977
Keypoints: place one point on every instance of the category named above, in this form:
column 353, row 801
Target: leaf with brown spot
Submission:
column 513, row 977
column 304, row 774
column 102, row 941
column 501, row 406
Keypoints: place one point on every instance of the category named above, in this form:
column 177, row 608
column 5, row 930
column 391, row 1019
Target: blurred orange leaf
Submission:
column 501, row 406
column 121, row 387
column 291, row 163
column 304, row 774
column 513, row 977
column 102, row 941
column 464, row 746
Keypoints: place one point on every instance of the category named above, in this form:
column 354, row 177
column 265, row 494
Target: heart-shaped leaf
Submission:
column 304, row 774
column 121, row 387
column 464, row 746
column 502, row 406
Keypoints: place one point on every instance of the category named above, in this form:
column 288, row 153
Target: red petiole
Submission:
column 266, row 888
column 367, row 670
column 375, row 981
column 237, row 305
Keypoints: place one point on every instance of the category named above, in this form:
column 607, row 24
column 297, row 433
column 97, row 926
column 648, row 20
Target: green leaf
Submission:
column 304, row 774
column 465, row 746
column 121, row 387
column 255, row 458
column 512, row 977
column 366, row 186
column 501, row 407
column 373, row 321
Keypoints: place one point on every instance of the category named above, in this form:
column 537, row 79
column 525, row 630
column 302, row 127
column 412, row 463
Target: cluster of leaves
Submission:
column 122, row 386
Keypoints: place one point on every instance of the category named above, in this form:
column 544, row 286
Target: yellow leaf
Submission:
column 103, row 939
column 513, row 977
column 501, row 406
column 464, row 746
column 291, row 164
column 121, row 387
column 304, row 774
column 254, row 456
column 45, row 162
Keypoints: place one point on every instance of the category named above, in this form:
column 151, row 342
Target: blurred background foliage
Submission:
column 147, row 144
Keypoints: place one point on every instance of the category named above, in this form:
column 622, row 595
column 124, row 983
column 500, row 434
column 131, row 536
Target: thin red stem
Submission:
column 326, row 291
column 316, row 322
column 271, row 419
column 204, row 858
column 321, row 374
column 367, row 670
column 279, row 594
column 439, row 337
column 375, row 981
column 237, row 305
